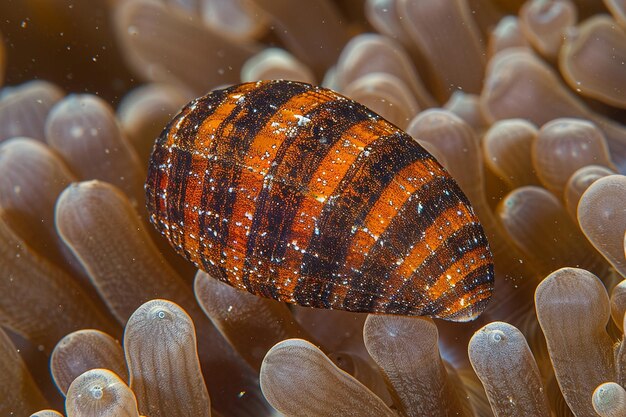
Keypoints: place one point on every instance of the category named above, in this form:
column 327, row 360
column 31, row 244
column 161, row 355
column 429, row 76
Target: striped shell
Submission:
column 296, row 193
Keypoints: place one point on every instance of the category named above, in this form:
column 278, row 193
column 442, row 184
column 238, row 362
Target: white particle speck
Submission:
column 302, row 120
column 76, row 131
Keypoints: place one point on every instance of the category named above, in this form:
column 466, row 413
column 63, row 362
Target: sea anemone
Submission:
column 522, row 102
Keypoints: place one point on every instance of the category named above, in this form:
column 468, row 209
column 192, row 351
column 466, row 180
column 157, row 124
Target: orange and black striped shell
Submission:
column 296, row 193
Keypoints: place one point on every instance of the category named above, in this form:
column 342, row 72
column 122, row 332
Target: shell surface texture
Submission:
column 297, row 193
